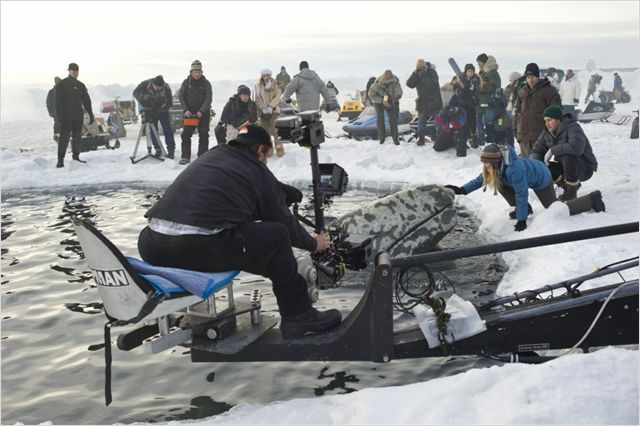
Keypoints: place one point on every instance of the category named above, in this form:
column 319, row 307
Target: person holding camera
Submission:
column 238, row 112
column 385, row 96
column 308, row 87
column 155, row 98
column 267, row 97
column 195, row 97
column 71, row 96
column 429, row 101
column 228, row 211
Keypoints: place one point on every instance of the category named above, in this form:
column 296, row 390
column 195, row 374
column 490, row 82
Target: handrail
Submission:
column 545, row 240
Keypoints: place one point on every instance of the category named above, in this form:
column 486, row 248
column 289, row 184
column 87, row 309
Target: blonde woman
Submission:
column 267, row 98
column 512, row 176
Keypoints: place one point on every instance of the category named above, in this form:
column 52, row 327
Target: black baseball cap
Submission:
column 253, row 136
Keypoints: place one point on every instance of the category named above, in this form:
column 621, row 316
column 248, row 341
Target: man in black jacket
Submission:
column 228, row 211
column 70, row 97
column 564, row 139
column 51, row 108
column 155, row 98
column 195, row 97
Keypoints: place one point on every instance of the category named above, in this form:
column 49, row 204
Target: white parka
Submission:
column 570, row 90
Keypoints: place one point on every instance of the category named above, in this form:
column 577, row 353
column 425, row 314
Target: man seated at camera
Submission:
column 228, row 211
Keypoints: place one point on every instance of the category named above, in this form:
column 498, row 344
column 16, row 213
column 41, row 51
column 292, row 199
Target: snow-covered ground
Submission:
column 593, row 388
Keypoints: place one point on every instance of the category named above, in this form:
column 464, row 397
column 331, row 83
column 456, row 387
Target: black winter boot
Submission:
column 420, row 140
column 570, row 191
column 311, row 321
column 598, row 204
column 586, row 203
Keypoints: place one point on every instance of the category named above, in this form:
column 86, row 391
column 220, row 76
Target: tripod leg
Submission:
column 155, row 133
column 135, row 150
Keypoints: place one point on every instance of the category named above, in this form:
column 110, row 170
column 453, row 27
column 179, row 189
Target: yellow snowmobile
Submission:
column 351, row 109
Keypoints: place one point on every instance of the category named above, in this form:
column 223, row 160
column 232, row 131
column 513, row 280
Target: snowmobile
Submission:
column 592, row 112
column 619, row 96
column 126, row 109
column 96, row 135
column 351, row 109
column 365, row 127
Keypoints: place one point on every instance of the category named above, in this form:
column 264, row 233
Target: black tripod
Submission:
column 147, row 128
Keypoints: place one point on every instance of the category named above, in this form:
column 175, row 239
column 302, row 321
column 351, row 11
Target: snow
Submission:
column 596, row 388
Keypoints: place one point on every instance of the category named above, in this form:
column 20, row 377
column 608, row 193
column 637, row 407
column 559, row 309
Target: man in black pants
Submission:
column 70, row 96
column 228, row 211
column 195, row 97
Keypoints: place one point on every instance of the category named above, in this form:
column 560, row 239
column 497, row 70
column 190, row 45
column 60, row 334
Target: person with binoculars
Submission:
column 156, row 99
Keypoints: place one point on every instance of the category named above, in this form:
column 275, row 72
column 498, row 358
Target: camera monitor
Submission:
column 333, row 179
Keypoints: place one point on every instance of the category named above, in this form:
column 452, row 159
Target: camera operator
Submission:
column 227, row 211
column 195, row 96
column 239, row 111
column 155, row 99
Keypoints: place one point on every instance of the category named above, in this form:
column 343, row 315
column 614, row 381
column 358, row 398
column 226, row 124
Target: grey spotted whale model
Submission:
column 406, row 222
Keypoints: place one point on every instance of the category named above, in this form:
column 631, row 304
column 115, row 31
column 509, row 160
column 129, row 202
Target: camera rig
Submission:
column 348, row 251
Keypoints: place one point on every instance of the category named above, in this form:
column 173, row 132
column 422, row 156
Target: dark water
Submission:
column 52, row 323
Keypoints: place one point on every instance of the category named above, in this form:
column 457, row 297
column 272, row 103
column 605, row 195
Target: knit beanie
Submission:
column 196, row 65
column 421, row 64
column 482, row 58
column 553, row 111
column 158, row 81
column 469, row 67
column 303, row 65
column 244, row 90
column 491, row 154
column 73, row 67
column 266, row 71
column 532, row 69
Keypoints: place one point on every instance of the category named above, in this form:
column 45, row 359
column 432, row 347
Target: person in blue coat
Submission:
column 512, row 176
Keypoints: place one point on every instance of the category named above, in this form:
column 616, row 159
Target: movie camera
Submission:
column 328, row 180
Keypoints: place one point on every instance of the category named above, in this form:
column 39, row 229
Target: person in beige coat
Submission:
column 385, row 96
column 267, row 97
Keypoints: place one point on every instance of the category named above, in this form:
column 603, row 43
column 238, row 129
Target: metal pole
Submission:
column 317, row 195
column 544, row 240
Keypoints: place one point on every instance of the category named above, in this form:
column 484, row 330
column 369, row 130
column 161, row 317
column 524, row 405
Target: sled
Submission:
column 168, row 315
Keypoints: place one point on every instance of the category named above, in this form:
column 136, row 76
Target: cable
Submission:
column 595, row 320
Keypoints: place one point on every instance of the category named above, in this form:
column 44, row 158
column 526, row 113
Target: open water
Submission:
column 52, row 323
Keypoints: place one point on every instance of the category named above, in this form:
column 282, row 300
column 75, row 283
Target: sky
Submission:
column 127, row 42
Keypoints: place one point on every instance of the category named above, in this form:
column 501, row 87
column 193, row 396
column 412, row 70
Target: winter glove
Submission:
column 456, row 189
column 291, row 194
column 547, row 156
column 576, row 101
column 521, row 226
column 91, row 119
